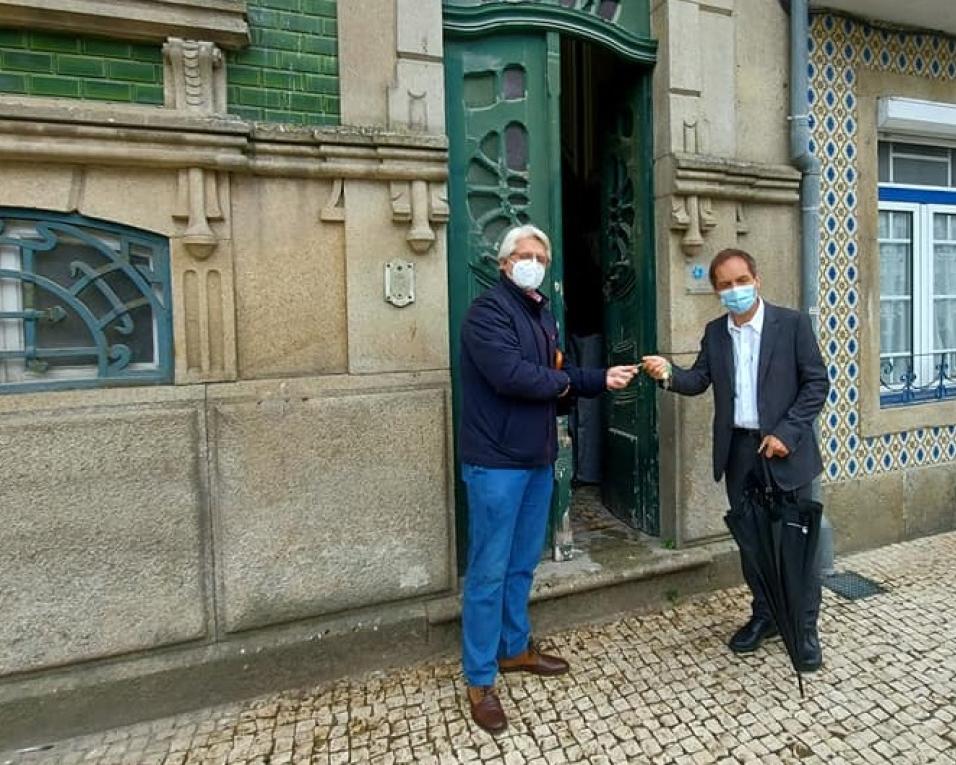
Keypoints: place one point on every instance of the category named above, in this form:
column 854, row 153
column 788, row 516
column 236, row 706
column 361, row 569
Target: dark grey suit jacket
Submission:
column 792, row 387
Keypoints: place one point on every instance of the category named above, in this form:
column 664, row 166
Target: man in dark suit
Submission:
column 769, row 385
column 512, row 375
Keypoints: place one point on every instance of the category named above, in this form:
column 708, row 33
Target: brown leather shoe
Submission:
column 535, row 662
column 486, row 709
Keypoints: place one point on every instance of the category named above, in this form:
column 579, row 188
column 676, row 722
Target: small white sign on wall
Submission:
column 400, row 282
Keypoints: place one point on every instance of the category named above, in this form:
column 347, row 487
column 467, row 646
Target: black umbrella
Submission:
column 778, row 534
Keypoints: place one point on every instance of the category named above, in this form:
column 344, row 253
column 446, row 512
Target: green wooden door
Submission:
column 630, row 484
column 502, row 96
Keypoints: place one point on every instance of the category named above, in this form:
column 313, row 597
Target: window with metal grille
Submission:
column 917, row 240
column 83, row 303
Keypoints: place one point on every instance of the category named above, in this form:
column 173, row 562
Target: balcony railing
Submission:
column 917, row 378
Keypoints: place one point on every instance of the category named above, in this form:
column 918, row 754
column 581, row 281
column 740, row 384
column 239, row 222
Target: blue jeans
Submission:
column 507, row 517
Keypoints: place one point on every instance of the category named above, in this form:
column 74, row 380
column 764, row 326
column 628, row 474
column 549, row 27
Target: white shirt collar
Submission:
column 756, row 321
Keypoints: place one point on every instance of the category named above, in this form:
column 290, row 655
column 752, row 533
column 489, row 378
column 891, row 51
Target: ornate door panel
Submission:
column 629, row 488
column 502, row 96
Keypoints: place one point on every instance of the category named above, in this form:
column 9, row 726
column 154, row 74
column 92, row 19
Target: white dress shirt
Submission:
column 746, row 342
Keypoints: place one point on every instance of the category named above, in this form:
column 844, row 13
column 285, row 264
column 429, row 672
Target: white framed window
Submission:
column 917, row 249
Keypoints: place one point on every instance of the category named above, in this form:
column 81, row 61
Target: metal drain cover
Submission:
column 852, row 586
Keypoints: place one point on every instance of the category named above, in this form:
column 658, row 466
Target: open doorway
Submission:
column 608, row 302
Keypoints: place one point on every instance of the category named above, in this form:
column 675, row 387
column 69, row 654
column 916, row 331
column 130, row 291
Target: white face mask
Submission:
column 527, row 274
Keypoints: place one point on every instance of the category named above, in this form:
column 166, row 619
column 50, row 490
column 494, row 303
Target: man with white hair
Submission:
column 512, row 375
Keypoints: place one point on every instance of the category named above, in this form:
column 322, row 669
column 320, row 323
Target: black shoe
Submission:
column 811, row 655
column 749, row 637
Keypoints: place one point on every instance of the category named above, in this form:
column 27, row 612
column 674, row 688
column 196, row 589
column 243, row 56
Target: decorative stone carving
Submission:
column 334, row 210
column 194, row 77
column 206, row 331
column 198, row 203
column 743, row 228
column 692, row 215
column 77, row 189
column 415, row 99
column 420, row 204
column 195, row 83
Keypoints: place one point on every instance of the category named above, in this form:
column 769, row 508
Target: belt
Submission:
column 747, row 431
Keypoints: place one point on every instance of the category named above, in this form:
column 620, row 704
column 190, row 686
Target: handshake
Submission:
column 655, row 367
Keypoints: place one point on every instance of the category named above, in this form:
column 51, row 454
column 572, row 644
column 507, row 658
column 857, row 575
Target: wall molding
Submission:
column 143, row 136
column 220, row 21
column 699, row 175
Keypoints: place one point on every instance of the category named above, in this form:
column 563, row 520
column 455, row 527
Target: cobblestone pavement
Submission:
column 659, row 688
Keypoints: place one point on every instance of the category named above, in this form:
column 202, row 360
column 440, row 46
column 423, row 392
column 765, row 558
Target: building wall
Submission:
column 723, row 179
column 36, row 63
column 889, row 471
column 297, row 472
column 288, row 73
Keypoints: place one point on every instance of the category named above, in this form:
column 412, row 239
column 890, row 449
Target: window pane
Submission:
column 883, row 161
column 479, row 89
column 895, row 270
column 902, row 227
column 896, row 281
column 11, row 330
column 893, row 371
column 133, row 328
column 944, row 269
column 944, row 329
column 513, row 83
column 896, row 326
column 921, row 150
column 516, row 147
column 920, row 172
column 81, row 301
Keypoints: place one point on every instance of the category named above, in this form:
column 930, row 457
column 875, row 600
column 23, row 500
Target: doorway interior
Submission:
column 594, row 82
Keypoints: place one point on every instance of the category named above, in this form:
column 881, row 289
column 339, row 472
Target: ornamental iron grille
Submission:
column 927, row 377
column 83, row 303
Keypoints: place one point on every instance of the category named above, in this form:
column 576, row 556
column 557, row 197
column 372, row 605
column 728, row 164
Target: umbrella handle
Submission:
column 767, row 477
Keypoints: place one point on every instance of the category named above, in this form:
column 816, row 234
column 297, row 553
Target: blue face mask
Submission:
column 739, row 299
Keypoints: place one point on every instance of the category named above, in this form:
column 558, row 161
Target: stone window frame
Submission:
column 220, row 21
column 874, row 419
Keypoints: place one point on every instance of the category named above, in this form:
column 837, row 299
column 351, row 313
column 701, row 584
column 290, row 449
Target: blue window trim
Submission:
column 917, row 196
column 914, row 396
column 944, row 387
column 111, row 369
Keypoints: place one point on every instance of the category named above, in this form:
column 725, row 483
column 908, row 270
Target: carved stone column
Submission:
column 195, row 84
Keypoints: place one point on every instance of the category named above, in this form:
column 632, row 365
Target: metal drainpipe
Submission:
column 809, row 166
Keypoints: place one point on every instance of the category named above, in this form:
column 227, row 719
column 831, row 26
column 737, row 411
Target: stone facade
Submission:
column 294, row 481
column 299, row 467
column 888, row 472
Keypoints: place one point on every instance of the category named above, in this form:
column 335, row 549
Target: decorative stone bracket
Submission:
column 421, row 204
column 195, row 83
column 334, row 210
column 694, row 181
column 692, row 215
column 194, row 77
column 198, row 203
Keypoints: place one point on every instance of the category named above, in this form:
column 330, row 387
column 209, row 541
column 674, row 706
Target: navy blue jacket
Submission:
column 792, row 388
column 509, row 383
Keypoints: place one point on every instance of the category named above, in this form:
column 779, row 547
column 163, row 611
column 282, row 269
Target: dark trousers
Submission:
column 742, row 461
